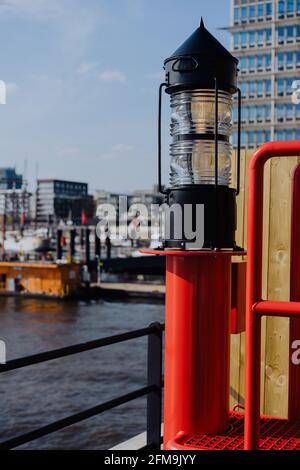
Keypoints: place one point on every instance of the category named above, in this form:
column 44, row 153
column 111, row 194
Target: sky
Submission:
column 82, row 82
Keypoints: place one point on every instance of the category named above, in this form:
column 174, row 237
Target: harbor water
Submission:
column 41, row 394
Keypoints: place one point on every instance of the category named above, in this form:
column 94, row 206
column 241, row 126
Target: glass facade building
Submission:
column 62, row 200
column 265, row 37
column 9, row 179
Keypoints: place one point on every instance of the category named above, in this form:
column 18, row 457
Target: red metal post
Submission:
column 254, row 283
column 198, row 303
column 294, row 370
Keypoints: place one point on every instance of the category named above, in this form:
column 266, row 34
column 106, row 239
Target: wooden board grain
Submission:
column 276, row 261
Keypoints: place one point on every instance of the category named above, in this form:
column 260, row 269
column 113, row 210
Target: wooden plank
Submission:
column 277, row 329
column 265, row 276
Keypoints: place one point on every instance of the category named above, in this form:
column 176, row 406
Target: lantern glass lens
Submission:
column 193, row 146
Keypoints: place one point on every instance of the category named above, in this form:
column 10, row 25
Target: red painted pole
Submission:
column 254, row 283
column 294, row 369
column 198, row 302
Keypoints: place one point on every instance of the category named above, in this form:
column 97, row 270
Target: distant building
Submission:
column 146, row 197
column 62, row 200
column 9, row 179
column 14, row 197
column 105, row 197
column 266, row 38
column 15, row 203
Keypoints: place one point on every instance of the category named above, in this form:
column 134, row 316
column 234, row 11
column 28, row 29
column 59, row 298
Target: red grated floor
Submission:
column 276, row 434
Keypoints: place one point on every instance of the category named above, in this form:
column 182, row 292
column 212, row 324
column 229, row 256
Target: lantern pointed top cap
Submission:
column 203, row 43
column 201, row 62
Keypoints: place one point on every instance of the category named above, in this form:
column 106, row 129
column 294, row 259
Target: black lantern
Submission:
column 201, row 79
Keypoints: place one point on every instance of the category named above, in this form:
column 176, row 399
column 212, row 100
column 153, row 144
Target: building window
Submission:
column 288, row 86
column 260, row 63
column 269, row 10
column 243, row 139
column 252, row 89
column 280, row 61
column 236, row 15
column 281, row 9
column 244, row 89
column 280, row 135
column 290, row 34
column 289, row 60
column 290, row 8
column 244, row 14
column 244, row 114
column 243, row 64
column 280, row 87
column 260, row 11
column 280, row 35
column 252, row 63
column 260, row 113
column 235, row 115
column 234, row 139
column 261, row 38
column 252, row 13
column 280, row 112
column 290, row 112
column 260, row 89
column 252, row 39
column 259, row 137
column 236, row 40
column 251, row 139
column 252, row 114
column 244, row 39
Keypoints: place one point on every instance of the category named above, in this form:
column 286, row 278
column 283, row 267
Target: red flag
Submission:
column 22, row 219
column 84, row 218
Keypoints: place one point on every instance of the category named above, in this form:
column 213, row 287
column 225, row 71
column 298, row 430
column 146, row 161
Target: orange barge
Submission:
column 40, row 279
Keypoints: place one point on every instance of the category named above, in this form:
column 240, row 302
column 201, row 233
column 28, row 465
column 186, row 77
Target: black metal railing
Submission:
column 153, row 389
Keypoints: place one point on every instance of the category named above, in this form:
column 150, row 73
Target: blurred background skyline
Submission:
column 82, row 80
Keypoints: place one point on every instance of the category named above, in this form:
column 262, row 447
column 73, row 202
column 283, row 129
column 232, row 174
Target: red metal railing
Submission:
column 255, row 306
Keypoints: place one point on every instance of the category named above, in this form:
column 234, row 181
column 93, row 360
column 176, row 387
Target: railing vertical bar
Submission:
column 154, row 398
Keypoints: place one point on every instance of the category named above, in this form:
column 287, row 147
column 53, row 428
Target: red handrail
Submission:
column 254, row 282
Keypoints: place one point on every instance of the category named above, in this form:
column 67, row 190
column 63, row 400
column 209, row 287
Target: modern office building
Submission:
column 9, row 179
column 265, row 37
column 62, row 200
